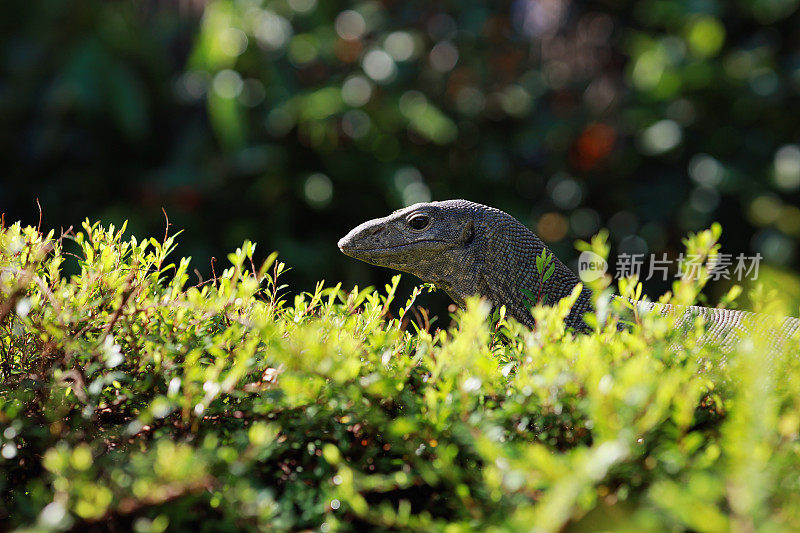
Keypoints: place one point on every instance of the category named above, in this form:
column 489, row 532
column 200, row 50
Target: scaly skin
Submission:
column 467, row 249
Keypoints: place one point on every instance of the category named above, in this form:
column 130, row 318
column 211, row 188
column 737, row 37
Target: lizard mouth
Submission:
column 354, row 251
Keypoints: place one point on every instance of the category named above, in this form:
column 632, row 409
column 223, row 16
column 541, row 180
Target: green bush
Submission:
column 133, row 399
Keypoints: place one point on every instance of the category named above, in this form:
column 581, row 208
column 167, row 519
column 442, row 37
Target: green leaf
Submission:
column 549, row 272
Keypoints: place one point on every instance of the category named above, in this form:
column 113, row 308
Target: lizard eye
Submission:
column 419, row 222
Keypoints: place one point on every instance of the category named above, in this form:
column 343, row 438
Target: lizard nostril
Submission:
column 376, row 231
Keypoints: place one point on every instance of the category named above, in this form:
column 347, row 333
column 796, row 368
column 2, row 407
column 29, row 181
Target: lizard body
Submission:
column 467, row 248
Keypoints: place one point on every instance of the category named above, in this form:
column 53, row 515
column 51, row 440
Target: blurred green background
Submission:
column 290, row 121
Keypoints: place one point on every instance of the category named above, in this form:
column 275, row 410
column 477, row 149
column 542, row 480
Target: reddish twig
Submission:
column 166, row 229
column 39, row 227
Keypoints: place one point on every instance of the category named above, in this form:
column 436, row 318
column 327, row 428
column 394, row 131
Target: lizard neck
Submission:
column 509, row 266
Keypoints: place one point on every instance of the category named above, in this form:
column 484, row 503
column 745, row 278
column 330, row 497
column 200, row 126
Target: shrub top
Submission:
column 132, row 398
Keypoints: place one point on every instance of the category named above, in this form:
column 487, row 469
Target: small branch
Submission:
column 65, row 233
column 126, row 294
column 253, row 268
column 166, row 229
column 45, row 288
column 39, row 227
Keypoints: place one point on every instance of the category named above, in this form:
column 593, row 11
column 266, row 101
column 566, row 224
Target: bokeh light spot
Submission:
column 228, row 83
column 356, row 124
column 764, row 81
column 232, row 41
column 350, row 25
column 764, row 209
column 705, row 170
column 348, row 51
column 379, row 66
column 594, row 144
column 648, row 69
column 789, row 220
column 704, row 199
column 552, row 227
column 303, row 6
column 54, row 515
column 406, row 175
column 705, row 36
column 253, row 93
column 409, row 183
column 739, row 63
column 400, row 45
column 9, row 450
column 318, row 190
column 356, row 91
column 776, row 247
column 426, row 119
column 272, row 31
column 415, row 193
column 661, row 137
column 322, row 103
column 443, row 56
column 584, row 222
column 565, row 191
column 787, row 167
column 515, row 100
column 470, row 101
column 632, row 244
column 193, row 85
column 303, row 48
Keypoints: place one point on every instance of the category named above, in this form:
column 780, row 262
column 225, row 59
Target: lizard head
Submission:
column 466, row 249
column 430, row 240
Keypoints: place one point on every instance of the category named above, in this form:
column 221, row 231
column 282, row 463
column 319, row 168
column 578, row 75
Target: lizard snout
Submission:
column 364, row 237
column 344, row 243
column 350, row 243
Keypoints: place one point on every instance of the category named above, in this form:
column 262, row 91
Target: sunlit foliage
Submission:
column 132, row 399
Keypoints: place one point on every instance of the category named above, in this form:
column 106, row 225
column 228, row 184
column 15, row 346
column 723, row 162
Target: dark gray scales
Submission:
column 466, row 249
